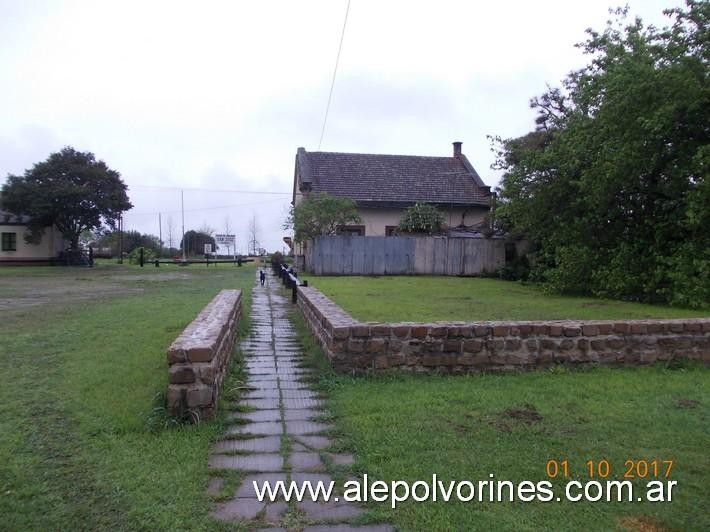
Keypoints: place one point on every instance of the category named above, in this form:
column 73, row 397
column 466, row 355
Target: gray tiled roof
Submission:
column 382, row 180
column 12, row 219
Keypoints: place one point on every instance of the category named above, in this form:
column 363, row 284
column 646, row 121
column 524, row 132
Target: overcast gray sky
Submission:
column 217, row 95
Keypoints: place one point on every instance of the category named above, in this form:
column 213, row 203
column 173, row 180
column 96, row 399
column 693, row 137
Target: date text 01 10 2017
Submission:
column 633, row 469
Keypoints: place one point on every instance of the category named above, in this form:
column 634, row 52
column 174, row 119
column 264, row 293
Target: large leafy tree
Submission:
column 612, row 185
column 320, row 214
column 71, row 190
column 130, row 241
column 194, row 242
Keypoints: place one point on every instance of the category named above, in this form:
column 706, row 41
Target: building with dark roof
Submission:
column 383, row 186
column 15, row 250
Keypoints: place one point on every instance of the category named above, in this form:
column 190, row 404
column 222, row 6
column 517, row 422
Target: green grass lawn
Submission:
column 82, row 366
column 408, row 427
column 425, row 299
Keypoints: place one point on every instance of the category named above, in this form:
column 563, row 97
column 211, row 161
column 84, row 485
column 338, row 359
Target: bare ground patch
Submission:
column 641, row 523
column 686, row 403
column 170, row 276
column 17, row 292
column 508, row 420
column 64, row 296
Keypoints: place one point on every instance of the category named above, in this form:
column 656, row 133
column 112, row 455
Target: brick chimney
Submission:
column 457, row 149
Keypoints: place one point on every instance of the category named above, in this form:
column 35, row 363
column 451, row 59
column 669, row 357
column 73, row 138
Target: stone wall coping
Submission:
column 206, row 331
column 336, row 313
column 529, row 322
column 199, row 356
column 496, row 345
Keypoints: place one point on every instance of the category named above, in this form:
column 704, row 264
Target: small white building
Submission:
column 14, row 250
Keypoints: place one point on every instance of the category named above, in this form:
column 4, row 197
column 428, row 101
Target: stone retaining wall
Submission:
column 199, row 357
column 461, row 347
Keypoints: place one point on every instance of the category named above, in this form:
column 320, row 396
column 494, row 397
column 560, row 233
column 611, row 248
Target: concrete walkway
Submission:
column 281, row 437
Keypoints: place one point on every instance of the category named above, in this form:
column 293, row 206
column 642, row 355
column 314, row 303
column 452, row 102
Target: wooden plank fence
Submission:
column 404, row 255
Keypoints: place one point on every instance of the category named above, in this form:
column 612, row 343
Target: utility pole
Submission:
column 120, row 238
column 182, row 208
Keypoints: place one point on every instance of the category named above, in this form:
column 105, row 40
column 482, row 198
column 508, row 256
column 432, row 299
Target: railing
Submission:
column 289, row 277
column 180, row 262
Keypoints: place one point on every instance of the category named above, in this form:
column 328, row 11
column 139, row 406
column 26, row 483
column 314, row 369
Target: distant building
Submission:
column 383, row 186
column 15, row 251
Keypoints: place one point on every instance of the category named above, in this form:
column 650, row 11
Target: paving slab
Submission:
column 312, row 477
column 259, row 351
column 263, row 385
column 262, row 371
column 274, row 511
column 298, row 428
column 246, row 488
column 302, row 414
column 257, row 364
column 257, row 415
column 288, row 365
column 269, row 403
column 342, row 459
column 265, row 428
column 305, row 462
column 289, row 357
column 260, row 378
column 262, row 393
column 293, row 385
column 269, row 444
column 299, row 394
column 294, row 379
column 257, row 462
column 315, row 442
column 241, row 508
column 293, row 371
column 299, row 404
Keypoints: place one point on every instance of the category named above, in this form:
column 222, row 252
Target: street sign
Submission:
column 208, row 249
column 227, row 240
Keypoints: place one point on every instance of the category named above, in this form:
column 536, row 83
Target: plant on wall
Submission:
column 421, row 218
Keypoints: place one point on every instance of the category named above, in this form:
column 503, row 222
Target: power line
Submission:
column 335, row 71
column 198, row 189
column 203, row 208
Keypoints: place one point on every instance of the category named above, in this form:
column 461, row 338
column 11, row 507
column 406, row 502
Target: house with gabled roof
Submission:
column 383, row 186
column 14, row 250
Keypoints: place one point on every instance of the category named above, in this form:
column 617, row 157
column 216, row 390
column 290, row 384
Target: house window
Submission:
column 9, row 242
column 391, row 230
column 352, row 230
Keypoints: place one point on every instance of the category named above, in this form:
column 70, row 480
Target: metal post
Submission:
column 182, row 210
column 140, row 252
column 120, row 238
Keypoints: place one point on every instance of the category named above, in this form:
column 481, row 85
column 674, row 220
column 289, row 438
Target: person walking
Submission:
column 262, row 277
